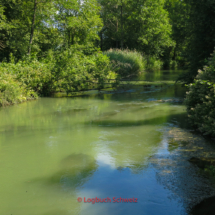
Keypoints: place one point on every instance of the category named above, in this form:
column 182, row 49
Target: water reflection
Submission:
column 74, row 171
column 161, row 75
column 176, row 173
column 106, row 145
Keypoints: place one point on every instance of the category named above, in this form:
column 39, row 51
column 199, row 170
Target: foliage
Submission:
column 173, row 64
column 18, row 15
column 74, row 71
column 199, row 32
column 126, row 63
column 3, row 23
column 78, row 22
column 179, row 12
column 153, row 63
column 143, row 25
column 56, row 25
column 200, row 99
column 180, row 33
column 12, row 91
column 31, row 73
column 69, row 70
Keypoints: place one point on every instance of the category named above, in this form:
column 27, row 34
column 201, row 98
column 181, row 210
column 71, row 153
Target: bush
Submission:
column 69, row 70
column 173, row 64
column 153, row 63
column 75, row 71
column 200, row 99
column 12, row 91
column 31, row 73
column 125, row 62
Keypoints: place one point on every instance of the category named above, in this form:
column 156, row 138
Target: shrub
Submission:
column 69, row 70
column 75, row 71
column 125, row 62
column 12, row 91
column 200, row 99
column 31, row 74
column 153, row 63
column 173, row 64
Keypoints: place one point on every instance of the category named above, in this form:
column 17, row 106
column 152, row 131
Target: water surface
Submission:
column 114, row 144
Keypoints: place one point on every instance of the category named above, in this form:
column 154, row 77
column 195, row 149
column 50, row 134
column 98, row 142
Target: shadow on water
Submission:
column 63, row 112
column 151, row 121
column 206, row 207
column 74, row 171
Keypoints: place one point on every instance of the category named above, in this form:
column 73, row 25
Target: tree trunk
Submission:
column 72, row 38
column 32, row 27
column 117, row 34
column 101, row 40
column 121, row 29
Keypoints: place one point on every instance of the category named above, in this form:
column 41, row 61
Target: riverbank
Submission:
column 71, row 71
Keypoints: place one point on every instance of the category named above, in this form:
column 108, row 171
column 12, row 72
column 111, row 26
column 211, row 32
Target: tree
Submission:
column 179, row 14
column 28, row 22
column 200, row 31
column 78, row 21
column 202, row 27
column 41, row 12
column 2, row 24
column 145, row 25
column 112, row 15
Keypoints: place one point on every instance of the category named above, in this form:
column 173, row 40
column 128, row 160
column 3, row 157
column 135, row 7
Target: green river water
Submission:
column 114, row 144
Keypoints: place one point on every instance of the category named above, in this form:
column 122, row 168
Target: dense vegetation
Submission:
column 126, row 63
column 69, row 70
column 200, row 99
column 180, row 33
column 142, row 25
column 12, row 91
column 49, row 46
column 72, row 45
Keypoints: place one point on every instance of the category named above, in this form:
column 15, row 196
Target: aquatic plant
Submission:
column 126, row 62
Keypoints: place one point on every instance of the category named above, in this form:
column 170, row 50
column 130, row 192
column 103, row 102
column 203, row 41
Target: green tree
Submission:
column 200, row 31
column 3, row 24
column 179, row 15
column 78, row 21
column 29, row 22
column 112, row 16
column 144, row 26
column 40, row 12
column 40, row 25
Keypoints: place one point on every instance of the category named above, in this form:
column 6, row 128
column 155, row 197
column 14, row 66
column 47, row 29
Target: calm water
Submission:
column 123, row 144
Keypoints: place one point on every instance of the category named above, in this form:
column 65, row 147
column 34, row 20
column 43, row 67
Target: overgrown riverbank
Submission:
column 69, row 70
column 73, row 70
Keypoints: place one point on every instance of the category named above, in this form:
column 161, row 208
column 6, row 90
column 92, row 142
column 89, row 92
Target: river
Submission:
column 126, row 144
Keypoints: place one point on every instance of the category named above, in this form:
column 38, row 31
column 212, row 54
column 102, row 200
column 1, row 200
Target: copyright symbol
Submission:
column 79, row 199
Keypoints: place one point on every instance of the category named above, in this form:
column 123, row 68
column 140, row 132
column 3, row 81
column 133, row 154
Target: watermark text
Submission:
column 107, row 200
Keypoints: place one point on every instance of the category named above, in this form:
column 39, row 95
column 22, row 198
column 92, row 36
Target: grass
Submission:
column 126, row 63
